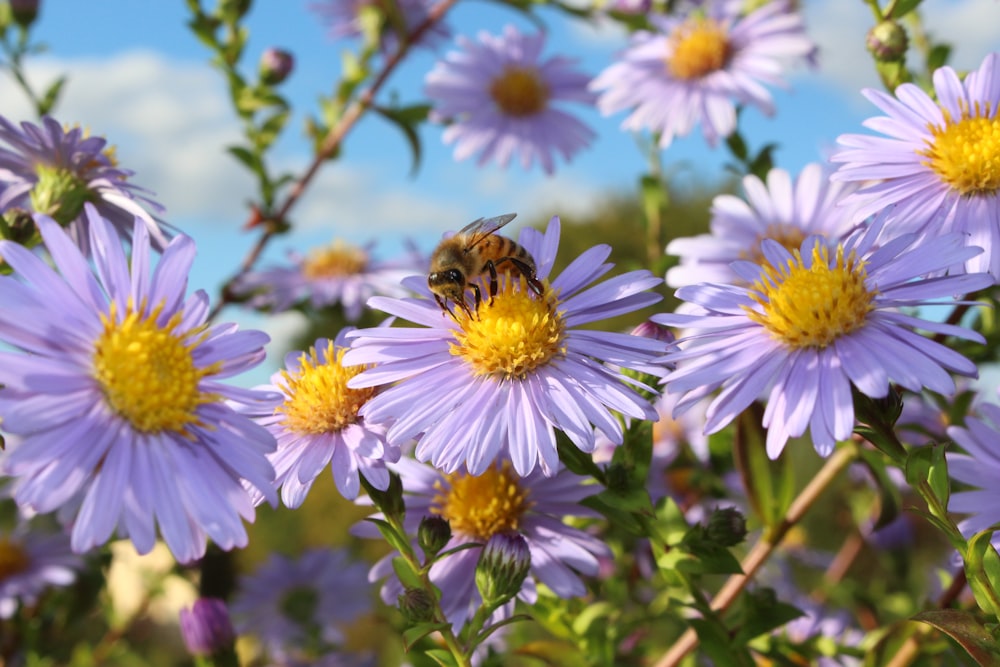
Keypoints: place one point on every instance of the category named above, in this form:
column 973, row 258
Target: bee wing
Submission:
column 477, row 230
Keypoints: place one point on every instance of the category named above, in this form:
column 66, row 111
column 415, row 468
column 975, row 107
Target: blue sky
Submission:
column 139, row 77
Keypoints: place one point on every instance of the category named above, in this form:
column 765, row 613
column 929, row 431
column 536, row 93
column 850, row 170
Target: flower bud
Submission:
column 631, row 6
column 206, row 627
column 887, row 41
column 502, row 567
column 24, row 12
column 18, row 226
column 416, row 605
column 275, row 66
column 726, row 527
column 433, row 533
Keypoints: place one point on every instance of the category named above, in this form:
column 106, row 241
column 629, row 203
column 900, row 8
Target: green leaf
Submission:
column 407, row 576
column 761, row 613
column 407, row 119
column 271, row 128
column 51, row 96
column 623, row 509
column 902, row 8
column 717, row 645
column 412, row 635
column 395, row 540
column 967, row 631
column 938, row 56
column 247, row 157
column 928, row 464
column 577, row 461
column 770, row 484
column 981, row 559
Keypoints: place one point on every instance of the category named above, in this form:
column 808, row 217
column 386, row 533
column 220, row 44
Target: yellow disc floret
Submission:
column 318, row 398
column 519, row 91
column 699, row 47
column 146, row 371
column 512, row 335
column 965, row 153
column 482, row 506
column 336, row 260
column 811, row 306
column 13, row 558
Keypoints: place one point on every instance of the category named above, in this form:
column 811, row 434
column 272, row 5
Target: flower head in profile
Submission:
column 939, row 164
column 337, row 274
column 978, row 466
column 698, row 65
column 113, row 387
column 497, row 501
column 314, row 419
column 781, row 209
column 30, row 563
column 346, row 19
column 476, row 386
column 812, row 323
column 299, row 608
column 55, row 171
column 500, row 99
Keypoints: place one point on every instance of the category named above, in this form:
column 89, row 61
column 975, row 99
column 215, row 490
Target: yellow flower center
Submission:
column 512, row 336
column 147, row 373
column 339, row 259
column 699, row 47
column 482, row 506
column 812, row 306
column 789, row 236
column 318, row 398
column 519, row 91
column 966, row 153
column 13, row 558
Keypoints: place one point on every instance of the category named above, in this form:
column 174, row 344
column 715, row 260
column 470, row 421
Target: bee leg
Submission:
column 478, row 299
column 493, row 278
column 444, row 306
column 529, row 274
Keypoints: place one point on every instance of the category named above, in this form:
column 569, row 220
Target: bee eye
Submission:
column 455, row 276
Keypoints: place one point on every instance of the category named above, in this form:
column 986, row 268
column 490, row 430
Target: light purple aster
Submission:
column 51, row 170
column 30, row 563
column 781, row 209
column 114, row 390
column 803, row 333
column 939, row 163
column 206, row 627
column 979, row 467
column 701, row 63
column 496, row 501
column 338, row 274
column 498, row 96
column 299, row 607
column 314, row 419
column 344, row 20
column 502, row 382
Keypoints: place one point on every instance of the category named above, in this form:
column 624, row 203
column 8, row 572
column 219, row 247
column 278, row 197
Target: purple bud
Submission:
column 24, row 11
column 275, row 66
column 206, row 627
column 502, row 567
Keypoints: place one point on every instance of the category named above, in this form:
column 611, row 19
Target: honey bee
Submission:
column 477, row 250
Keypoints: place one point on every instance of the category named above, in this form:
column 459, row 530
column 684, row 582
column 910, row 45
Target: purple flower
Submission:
column 344, row 18
column 499, row 98
column 114, row 391
column 206, row 628
column 814, row 322
column 699, row 65
column 54, row 171
column 978, row 467
column 314, row 419
column 501, row 382
column 30, row 563
column 479, row 507
column 939, row 164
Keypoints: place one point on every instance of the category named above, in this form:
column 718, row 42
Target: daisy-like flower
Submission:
column 499, row 97
column 940, row 161
column 114, row 391
column 497, row 501
column 344, row 18
column 30, row 563
column 781, row 209
column 815, row 321
column 299, row 608
column 699, row 64
column 501, row 381
column 54, row 171
column 978, row 467
column 327, row 276
column 315, row 421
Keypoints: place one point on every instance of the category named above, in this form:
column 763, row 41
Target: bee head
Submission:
column 449, row 283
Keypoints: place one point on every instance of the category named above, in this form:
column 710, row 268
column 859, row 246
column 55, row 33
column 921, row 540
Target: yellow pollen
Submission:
column 13, row 558
column 699, row 47
column 966, row 153
column 519, row 91
column 512, row 336
column 813, row 306
column 147, row 373
column 482, row 506
column 318, row 398
column 339, row 259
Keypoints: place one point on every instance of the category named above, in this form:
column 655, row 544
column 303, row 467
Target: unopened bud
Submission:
column 631, row 6
column 887, row 41
column 24, row 12
column 416, row 605
column 59, row 193
column 206, row 627
column 650, row 329
column 726, row 527
column 433, row 534
column 275, row 66
column 502, row 567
